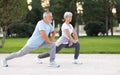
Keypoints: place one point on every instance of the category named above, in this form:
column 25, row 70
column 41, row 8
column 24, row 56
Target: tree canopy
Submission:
column 11, row 12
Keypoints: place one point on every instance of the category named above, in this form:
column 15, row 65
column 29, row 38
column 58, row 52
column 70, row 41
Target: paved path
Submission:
column 93, row 64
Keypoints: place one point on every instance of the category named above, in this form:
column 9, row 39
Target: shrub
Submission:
column 93, row 28
column 21, row 29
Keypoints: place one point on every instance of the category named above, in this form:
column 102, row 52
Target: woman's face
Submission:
column 68, row 18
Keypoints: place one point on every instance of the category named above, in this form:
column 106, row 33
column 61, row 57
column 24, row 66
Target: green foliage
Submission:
column 101, row 10
column 93, row 28
column 21, row 29
column 118, row 9
column 12, row 11
column 59, row 7
column 35, row 14
column 93, row 10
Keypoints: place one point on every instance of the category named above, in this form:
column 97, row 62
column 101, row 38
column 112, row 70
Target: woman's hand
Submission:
column 52, row 40
column 75, row 41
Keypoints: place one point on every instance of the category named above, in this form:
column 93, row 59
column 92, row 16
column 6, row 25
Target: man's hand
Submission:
column 52, row 40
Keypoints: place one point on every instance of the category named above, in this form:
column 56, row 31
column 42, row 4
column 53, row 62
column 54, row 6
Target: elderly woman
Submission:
column 69, row 39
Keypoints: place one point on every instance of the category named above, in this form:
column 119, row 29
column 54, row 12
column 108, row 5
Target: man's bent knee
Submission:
column 52, row 45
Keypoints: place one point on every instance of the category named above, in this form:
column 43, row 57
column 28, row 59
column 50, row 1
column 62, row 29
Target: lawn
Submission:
column 88, row 45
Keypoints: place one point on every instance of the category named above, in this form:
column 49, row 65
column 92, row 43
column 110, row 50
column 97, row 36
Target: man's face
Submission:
column 49, row 18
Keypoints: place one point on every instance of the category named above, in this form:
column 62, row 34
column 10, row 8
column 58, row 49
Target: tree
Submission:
column 35, row 14
column 93, row 10
column 98, row 10
column 59, row 7
column 11, row 12
column 118, row 9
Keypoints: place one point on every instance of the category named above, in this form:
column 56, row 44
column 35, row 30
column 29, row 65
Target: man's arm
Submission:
column 45, row 37
column 53, row 35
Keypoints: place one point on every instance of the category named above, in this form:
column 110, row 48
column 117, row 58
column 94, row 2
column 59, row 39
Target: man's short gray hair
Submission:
column 46, row 13
column 67, row 14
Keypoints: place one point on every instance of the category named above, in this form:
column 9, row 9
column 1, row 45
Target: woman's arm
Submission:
column 75, row 35
column 69, row 36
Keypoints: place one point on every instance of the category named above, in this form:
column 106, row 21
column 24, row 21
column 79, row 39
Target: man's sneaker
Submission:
column 53, row 64
column 39, row 60
column 76, row 61
column 4, row 63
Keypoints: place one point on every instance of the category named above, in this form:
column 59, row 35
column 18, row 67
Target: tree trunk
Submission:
column 4, row 37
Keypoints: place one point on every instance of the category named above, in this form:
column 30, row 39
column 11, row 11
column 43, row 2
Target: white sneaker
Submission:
column 4, row 63
column 53, row 64
column 76, row 61
column 39, row 60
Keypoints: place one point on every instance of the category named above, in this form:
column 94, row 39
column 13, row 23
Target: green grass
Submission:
column 100, row 44
column 88, row 45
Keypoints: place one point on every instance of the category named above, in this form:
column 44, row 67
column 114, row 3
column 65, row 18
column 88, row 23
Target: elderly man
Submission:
column 39, row 39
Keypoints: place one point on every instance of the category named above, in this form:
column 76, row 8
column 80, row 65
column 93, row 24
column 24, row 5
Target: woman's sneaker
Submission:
column 76, row 61
column 39, row 60
column 4, row 63
column 53, row 64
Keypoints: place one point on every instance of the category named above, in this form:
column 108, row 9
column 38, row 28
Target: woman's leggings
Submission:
column 58, row 48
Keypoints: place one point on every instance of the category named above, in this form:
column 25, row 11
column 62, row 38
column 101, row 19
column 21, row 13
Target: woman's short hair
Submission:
column 67, row 14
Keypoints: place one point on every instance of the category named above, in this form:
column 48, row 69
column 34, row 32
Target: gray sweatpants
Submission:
column 60, row 47
column 27, row 49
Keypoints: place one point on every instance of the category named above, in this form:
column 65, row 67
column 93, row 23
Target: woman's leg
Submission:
column 47, row 54
column 77, row 49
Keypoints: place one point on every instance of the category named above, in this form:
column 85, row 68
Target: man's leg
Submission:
column 52, row 51
column 22, row 52
column 52, row 48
